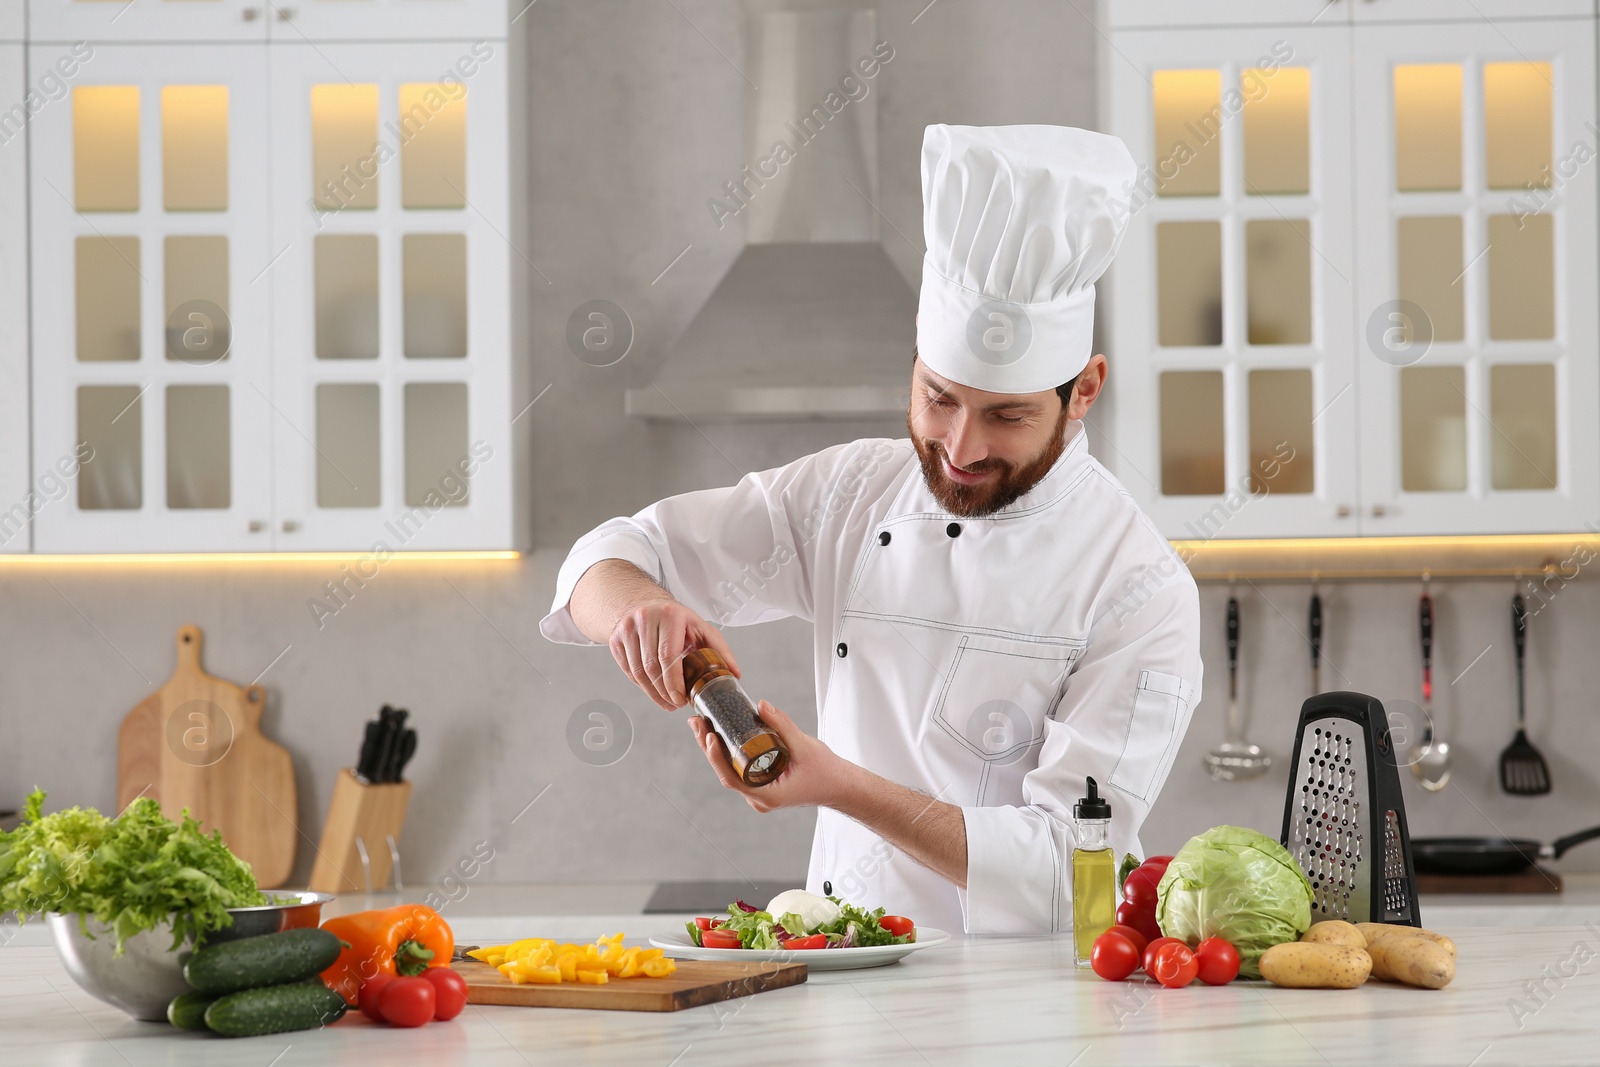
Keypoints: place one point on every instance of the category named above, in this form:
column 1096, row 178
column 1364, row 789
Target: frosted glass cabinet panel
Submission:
column 150, row 340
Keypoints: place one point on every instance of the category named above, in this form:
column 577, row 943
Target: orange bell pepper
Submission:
column 404, row 940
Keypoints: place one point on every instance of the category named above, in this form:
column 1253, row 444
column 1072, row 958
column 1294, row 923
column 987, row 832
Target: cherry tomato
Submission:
column 704, row 923
column 1113, row 956
column 1149, row 955
column 720, row 939
column 1175, row 965
column 367, row 999
column 812, row 941
column 407, row 1002
column 1219, row 961
column 1140, row 888
column 449, row 992
column 1138, row 939
column 1140, row 919
column 898, row 925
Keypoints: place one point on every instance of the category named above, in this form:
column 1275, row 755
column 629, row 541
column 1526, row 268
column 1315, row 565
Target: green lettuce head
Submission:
column 1239, row 885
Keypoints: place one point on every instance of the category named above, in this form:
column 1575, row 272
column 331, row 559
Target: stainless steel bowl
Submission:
column 149, row 973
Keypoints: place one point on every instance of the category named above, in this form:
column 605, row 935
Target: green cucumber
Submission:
column 188, row 1011
column 275, row 1009
column 264, row 960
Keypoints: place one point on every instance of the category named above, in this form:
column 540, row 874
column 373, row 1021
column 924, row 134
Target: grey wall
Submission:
column 634, row 121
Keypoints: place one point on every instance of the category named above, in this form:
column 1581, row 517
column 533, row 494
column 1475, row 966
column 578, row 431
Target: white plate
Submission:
column 680, row 947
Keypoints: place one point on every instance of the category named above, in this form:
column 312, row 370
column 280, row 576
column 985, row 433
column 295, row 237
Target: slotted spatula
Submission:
column 1522, row 769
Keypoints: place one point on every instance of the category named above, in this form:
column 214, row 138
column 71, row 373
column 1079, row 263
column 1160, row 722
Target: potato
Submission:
column 1335, row 932
column 1314, row 965
column 1412, row 960
column 1373, row 931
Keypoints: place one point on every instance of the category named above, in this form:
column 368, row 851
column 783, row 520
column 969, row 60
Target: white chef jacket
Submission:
column 993, row 663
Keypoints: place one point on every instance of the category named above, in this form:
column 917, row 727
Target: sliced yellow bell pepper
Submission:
column 593, row 977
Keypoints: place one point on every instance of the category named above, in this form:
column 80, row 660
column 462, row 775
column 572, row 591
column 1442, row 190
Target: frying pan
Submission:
column 1489, row 855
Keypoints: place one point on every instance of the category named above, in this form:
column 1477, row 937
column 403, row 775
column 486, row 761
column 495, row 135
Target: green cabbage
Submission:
column 1239, row 885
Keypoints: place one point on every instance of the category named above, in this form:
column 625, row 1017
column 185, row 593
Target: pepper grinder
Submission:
column 756, row 752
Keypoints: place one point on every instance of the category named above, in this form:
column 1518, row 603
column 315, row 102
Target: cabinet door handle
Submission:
column 1378, row 511
column 285, row 14
column 290, row 525
column 1344, row 511
column 256, row 526
column 250, row 14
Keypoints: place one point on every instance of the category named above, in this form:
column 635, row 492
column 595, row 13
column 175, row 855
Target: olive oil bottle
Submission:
column 1094, row 874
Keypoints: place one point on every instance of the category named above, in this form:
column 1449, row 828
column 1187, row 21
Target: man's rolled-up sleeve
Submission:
column 738, row 555
column 1121, row 720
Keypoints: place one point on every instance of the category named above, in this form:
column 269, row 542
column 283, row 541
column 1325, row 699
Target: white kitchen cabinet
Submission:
column 11, row 27
column 150, row 345
column 15, row 525
column 392, row 297
column 1231, row 353
column 1465, row 11
column 1483, row 420
column 1167, row 14
column 394, row 20
column 279, row 332
column 1491, row 427
column 111, row 21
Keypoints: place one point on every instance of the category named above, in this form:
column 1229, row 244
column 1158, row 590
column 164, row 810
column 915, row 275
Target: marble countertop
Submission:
column 1523, row 994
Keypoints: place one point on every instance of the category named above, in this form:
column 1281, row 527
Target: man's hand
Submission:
column 649, row 644
column 814, row 775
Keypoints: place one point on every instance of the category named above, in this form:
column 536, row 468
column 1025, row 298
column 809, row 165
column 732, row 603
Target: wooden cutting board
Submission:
column 196, row 743
column 696, row 982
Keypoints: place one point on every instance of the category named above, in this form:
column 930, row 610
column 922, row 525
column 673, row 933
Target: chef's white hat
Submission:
column 1020, row 221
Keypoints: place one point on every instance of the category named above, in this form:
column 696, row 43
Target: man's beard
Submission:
column 973, row 501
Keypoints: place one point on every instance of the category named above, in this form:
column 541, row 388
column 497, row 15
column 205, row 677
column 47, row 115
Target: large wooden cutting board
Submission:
column 196, row 743
column 696, row 982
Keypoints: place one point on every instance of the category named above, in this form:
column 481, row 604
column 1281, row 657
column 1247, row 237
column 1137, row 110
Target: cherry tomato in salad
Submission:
column 1219, row 961
column 407, row 1002
column 1113, row 956
column 1175, row 965
column 720, row 939
column 898, row 925
column 1138, row 939
column 449, row 992
column 1149, row 956
column 367, row 998
column 708, row 924
column 811, row 941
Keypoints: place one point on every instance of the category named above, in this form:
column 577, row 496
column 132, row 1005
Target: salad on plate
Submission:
column 796, row 919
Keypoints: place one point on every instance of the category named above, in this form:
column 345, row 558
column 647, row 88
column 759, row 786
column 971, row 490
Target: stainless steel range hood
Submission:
column 812, row 320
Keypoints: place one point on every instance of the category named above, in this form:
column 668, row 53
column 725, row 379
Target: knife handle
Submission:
column 1316, row 629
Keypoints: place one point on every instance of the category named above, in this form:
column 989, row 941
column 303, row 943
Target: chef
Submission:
column 995, row 619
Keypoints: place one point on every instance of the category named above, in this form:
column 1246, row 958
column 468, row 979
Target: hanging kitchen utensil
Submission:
column 1432, row 765
column 1491, row 855
column 1235, row 759
column 1344, row 820
column 1523, row 772
column 1316, row 641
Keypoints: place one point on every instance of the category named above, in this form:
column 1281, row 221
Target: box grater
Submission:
column 1344, row 820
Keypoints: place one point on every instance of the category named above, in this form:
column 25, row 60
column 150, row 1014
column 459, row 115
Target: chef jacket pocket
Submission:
column 1160, row 703
column 999, row 691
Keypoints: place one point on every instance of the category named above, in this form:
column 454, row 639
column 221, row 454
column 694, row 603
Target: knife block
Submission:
column 359, row 851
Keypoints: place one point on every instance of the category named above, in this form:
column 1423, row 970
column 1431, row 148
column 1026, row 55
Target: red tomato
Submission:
column 898, row 925
column 1219, row 961
column 407, row 1002
column 1138, row 939
column 449, row 992
column 703, row 923
column 813, row 941
column 1162, row 860
column 367, row 999
column 1149, row 955
column 1175, row 965
column 1140, row 888
column 721, row 939
column 1113, row 956
column 1140, row 919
